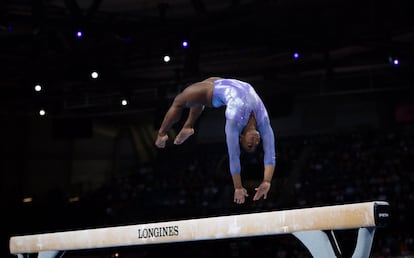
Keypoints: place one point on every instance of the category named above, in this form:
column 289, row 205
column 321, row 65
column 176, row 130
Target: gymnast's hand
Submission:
column 262, row 190
column 240, row 195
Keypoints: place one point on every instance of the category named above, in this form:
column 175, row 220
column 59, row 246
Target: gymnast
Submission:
column 247, row 122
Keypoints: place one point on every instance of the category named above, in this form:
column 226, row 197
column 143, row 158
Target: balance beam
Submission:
column 306, row 224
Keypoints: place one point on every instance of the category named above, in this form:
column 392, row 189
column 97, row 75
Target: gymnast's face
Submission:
column 250, row 140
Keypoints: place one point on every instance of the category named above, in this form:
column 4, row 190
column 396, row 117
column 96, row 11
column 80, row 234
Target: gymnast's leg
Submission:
column 195, row 97
column 172, row 116
column 188, row 128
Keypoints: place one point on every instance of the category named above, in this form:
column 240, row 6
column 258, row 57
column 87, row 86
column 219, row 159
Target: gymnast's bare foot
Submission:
column 161, row 140
column 183, row 135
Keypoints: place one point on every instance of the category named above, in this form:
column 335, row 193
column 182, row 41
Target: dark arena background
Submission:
column 85, row 84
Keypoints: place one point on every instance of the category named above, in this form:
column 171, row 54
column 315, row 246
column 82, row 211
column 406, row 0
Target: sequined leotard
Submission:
column 241, row 100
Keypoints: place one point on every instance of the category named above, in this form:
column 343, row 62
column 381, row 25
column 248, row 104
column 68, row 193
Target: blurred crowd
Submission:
column 192, row 181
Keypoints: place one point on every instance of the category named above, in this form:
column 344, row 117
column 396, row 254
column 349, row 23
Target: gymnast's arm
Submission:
column 233, row 148
column 269, row 160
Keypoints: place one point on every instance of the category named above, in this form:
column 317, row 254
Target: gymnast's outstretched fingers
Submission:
column 261, row 191
column 240, row 195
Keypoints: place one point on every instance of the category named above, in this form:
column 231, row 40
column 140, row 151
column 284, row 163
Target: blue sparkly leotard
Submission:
column 241, row 100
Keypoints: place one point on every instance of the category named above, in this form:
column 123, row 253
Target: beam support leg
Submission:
column 364, row 242
column 320, row 246
column 317, row 242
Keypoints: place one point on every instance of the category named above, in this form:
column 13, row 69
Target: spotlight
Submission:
column 296, row 55
column 42, row 112
column 167, row 58
column 79, row 34
column 184, row 44
column 124, row 102
column 394, row 61
column 94, row 75
column 37, row 87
